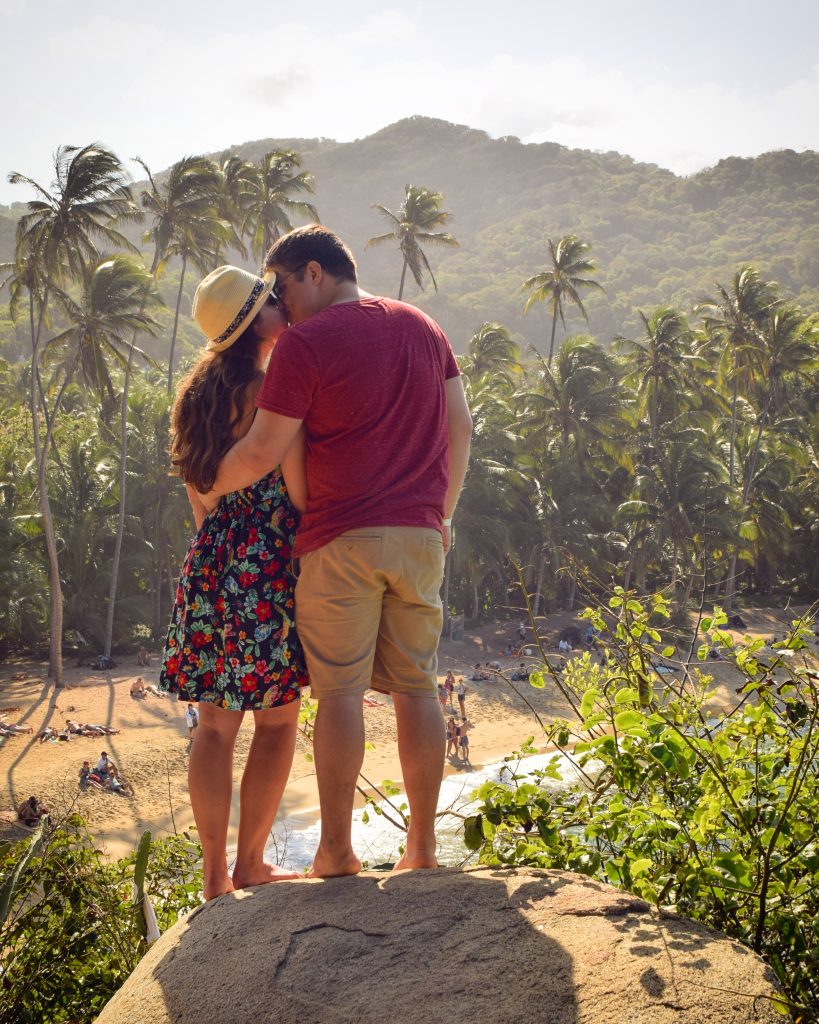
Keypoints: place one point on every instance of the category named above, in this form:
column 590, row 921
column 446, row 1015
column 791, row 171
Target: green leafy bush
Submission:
column 71, row 930
column 711, row 816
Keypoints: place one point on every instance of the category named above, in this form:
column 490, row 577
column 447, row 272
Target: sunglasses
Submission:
column 280, row 279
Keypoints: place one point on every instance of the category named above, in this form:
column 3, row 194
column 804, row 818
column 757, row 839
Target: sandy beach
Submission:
column 151, row 746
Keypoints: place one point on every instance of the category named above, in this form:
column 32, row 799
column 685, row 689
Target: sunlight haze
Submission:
column 679, row 87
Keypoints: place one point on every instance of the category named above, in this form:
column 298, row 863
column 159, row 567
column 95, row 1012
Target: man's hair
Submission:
column 313, row 242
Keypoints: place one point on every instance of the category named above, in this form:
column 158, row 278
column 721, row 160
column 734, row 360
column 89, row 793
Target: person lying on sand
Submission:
column 10, row 729
column 89, row 728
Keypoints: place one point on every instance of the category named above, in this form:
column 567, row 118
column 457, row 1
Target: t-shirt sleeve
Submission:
column 290, row 382
column 451, row 368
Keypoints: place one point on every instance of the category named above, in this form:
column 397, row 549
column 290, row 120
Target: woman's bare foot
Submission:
column 260, row 874
column 335, row 866
column 217, row 886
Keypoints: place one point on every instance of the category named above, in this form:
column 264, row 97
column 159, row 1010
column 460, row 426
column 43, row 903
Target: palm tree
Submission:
column 104, row 324
column 564, row 279
column 733, row 321
column 55, row 238
column 263, row 195
column 186, row 222
column 413, row 225
column 658, row 367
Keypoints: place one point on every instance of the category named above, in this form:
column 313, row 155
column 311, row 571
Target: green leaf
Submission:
column 669, row 652
column 629, row 720
column 536, row 680
column 473, row 833
column 641, row 866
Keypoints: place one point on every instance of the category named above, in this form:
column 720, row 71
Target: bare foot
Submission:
column 324, row 866
column 416, row 863
column 217, row 887
column 261, row 874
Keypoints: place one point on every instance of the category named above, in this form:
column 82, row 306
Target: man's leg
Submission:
column 338, row 744
column 338, row 610
column 210, row 782
column 263, row 782
column 406, row 665
column 421, row 743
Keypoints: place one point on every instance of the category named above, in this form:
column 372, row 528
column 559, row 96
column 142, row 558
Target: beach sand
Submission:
column 151, row 748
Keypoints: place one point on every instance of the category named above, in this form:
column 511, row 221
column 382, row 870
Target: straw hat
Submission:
column 226, row 302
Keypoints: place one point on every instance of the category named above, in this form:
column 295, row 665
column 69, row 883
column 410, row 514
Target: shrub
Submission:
column 712, row 816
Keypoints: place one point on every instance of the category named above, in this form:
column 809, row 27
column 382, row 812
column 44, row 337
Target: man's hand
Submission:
column 449, row 538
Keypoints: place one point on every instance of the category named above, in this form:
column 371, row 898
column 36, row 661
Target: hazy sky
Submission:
column 678, row 84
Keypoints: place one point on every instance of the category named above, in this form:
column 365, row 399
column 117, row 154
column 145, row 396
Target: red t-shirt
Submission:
column 368, row 379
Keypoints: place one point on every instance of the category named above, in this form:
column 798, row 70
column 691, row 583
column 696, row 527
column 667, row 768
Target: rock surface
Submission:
column 480, row 945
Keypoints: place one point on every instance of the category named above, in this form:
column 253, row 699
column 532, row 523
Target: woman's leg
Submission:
column 210, row 782
column 263, row 782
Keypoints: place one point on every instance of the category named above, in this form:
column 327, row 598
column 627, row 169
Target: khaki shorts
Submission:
column 369, row 613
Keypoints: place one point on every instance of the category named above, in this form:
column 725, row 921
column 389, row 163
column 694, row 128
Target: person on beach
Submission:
column 442, row 697
column 137, row 688
column 376, row 387
column 463, row 739
column 232, row 646
column 30, row 811
column 461, row 692
column 451, row 738
column 191, row 720
column 449, row 683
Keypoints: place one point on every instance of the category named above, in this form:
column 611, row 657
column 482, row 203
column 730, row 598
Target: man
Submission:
column 387, row 430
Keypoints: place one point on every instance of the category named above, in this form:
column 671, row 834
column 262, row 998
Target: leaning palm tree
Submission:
column 185, row 222
column 264, row 195
column 413, row 225
column 55, row 239
column 564, row 279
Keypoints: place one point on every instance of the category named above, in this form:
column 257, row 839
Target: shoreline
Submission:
column 151, row 746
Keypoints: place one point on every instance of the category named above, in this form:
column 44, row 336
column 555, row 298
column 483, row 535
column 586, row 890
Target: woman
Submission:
column 451, row 738
column 231, row 645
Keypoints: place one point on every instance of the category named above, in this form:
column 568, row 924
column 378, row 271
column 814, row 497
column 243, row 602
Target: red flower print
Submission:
column 200, row 639
column 247, row 578
column 248, row 683
column 263, row 611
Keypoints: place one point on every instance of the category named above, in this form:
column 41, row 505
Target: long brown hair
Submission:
column 210, row 403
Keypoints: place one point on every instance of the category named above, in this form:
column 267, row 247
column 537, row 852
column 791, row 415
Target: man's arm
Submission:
column 257, row 453
column 459, row 429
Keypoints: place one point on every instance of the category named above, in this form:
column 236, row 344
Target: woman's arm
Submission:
column 198, row 509
column 294, row 469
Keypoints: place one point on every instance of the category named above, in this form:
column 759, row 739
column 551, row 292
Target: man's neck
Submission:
column 347, row 291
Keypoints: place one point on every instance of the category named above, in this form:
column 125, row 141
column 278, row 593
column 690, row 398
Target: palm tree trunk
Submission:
column 403, row 278
column 536, row 604
column 176, row 324
column 55, row 612
column 475, row 602
column 123, row 454
column 554, row 328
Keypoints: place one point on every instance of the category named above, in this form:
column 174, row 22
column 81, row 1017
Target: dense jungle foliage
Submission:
column 680, row 453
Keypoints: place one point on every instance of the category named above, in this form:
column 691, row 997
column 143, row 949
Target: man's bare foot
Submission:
column 325, row 866
column 217, row 887
column 416, row 862
column 261, row 874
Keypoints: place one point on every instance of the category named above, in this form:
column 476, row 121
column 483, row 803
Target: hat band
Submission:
column 255, row 292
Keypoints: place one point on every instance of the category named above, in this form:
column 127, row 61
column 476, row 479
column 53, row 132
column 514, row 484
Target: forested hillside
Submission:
column 656, row 238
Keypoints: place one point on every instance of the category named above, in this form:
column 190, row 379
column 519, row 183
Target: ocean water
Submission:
column 376, row 841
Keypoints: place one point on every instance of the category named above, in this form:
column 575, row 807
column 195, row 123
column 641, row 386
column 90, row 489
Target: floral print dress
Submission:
column 232, row 639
